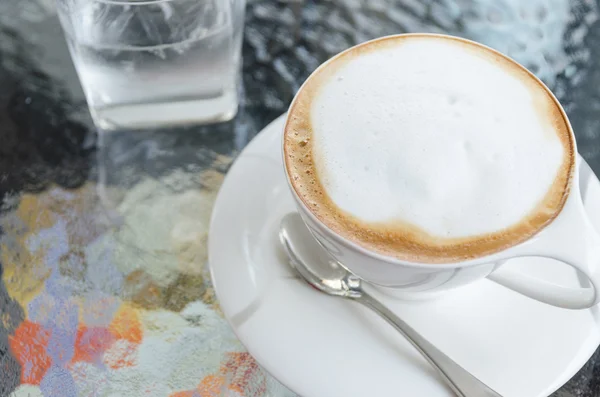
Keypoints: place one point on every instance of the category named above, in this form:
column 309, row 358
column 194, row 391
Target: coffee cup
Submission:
column 423, row 162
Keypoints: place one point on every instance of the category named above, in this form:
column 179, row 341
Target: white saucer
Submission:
column 324, row 346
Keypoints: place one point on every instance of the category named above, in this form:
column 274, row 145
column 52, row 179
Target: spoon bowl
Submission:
column 313, row 263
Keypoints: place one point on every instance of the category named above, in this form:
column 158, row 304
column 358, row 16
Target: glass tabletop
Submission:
column 104, row 287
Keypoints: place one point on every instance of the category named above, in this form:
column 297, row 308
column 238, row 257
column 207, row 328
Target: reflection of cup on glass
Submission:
column 157, row 62
column 424, row 162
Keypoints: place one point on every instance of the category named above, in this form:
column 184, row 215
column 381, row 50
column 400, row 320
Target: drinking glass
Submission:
column 152, row 63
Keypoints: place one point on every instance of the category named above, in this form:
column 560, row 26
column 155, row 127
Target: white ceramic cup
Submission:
column 569, row 238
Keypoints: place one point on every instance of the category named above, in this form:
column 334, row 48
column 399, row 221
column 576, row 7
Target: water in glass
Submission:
column 154, row 63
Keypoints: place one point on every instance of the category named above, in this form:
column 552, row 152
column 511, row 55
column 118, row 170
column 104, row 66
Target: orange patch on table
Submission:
column 91, row 343
column 238, row 374
column 244, row 373
column 127, row 325
column 211, row 386
column 28, row 346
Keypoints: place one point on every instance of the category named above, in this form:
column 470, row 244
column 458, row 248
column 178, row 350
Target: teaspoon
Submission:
column 323, row 272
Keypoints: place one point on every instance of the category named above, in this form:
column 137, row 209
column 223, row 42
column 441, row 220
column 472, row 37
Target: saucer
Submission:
column 319, row 345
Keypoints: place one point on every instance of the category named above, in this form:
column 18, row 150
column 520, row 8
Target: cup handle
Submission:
column 570, row 238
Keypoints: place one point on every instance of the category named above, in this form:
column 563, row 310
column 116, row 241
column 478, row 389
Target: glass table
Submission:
column 104, row 287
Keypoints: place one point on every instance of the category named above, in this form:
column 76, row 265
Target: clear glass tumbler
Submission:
column 152, row 63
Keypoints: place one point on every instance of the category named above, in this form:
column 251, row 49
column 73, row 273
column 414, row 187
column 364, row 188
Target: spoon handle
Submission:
column 460, row 381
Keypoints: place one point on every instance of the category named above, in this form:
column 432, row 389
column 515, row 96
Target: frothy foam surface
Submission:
column 418, row 146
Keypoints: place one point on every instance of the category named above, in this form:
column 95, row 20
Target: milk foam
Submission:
column 431, row 133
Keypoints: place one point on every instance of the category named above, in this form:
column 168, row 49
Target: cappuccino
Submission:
column 429, row 149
